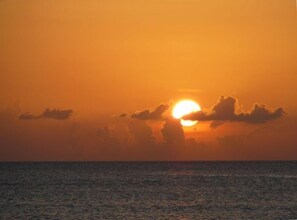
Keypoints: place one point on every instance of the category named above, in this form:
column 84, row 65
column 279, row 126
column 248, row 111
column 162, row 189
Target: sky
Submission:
column 97, row 79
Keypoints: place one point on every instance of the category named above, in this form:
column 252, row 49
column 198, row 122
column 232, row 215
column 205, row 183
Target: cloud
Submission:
column 123, row 115
column 26, row 116
column 173, row 132
column 119, row 140
column 151, row 115
column 225, row 110
column 48, row 114
column 261, row 114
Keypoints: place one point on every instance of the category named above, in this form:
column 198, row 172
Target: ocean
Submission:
column 148, row 190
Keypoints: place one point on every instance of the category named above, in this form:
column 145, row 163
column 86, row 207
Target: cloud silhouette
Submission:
column 151, row 115
column 173, row 132
column 27, row 116
column 48, row 114
column 261, row 114
column 123, row 115
column 225, row 110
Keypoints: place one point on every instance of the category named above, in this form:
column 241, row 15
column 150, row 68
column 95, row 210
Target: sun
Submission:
column 183, row 108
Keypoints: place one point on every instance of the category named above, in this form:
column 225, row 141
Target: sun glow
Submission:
column 183, row 108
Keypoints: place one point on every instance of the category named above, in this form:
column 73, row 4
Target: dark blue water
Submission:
column 149, row 190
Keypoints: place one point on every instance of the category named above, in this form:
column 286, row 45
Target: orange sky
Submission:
column 101, row 58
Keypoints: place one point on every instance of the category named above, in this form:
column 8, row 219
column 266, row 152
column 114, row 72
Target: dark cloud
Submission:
column 261, row 114
column 57, row 114
column 50, row 114
column 225, row 110
column 173, row 132
column 123, row 115
column 177, row 146
column 151, row 115
column 27, row 116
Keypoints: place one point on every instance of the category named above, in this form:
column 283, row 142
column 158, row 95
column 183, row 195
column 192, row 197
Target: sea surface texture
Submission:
column 149, row 190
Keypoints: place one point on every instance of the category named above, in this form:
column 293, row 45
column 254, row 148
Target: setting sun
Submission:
column 183, row 108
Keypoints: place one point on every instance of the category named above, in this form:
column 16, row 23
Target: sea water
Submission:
column 148, row 190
